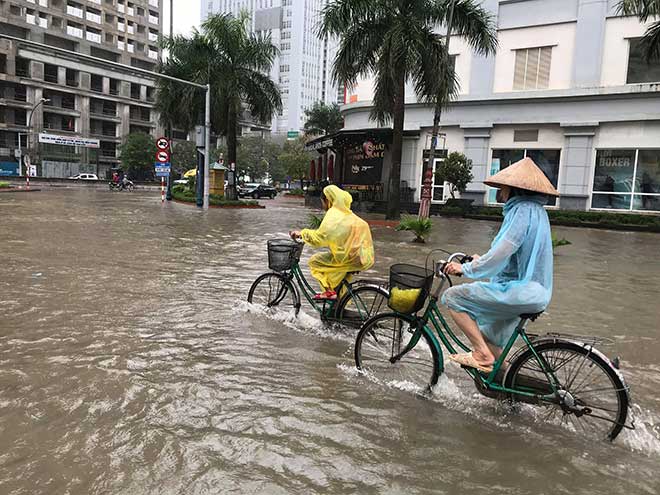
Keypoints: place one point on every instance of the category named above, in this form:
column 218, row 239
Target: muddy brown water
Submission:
column 129, row 364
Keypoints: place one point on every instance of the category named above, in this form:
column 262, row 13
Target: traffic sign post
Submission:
column 163, row 144
column 162, row 170
column 163, row 156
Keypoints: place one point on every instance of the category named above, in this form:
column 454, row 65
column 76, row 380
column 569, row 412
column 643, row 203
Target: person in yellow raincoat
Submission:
column 347, row 237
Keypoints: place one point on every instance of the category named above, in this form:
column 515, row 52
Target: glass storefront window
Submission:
column 647, row 180
column 611, row 201
column 627, row 179
column 547, row 160
column 614, row 171
column 646, row 202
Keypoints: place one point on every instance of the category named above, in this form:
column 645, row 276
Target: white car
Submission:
column 84, row 177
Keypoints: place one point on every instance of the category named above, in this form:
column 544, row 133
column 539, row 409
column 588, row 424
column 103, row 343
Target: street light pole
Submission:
column 29, row 131
column 207, row 144
column 168, row 196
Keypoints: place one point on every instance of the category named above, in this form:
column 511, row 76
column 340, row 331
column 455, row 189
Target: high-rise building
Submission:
column 303, row 68
column 84, row 98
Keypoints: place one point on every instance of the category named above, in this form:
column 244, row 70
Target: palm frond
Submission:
column 644, row 9
column 470, row 21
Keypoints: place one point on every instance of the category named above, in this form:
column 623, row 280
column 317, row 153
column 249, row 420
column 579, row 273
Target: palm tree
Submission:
column 395, row 41
column 645, row 9
column 237, row 64
column 323, row 119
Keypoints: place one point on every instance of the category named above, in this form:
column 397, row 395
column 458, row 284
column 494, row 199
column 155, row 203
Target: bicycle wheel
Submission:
column 594, row 399
column 385, row 336
column 360, row 304
column 273, row 290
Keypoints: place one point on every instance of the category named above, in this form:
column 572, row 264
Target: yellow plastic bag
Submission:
column 404, row 300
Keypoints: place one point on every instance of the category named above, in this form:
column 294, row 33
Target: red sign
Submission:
column 163, row 143
column 162, row 157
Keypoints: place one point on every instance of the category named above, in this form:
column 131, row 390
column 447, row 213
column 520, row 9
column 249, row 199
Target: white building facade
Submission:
column 304, row 65
column 568, row 87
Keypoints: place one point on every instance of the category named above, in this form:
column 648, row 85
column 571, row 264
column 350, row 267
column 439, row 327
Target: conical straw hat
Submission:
column 524, row 174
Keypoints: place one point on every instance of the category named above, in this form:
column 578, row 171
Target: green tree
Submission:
column 323, row 119
column 137, row 155
column 184, row 156
column 456, row 170
column 396, row 41
column 645, row 10
column 255, row 156
column 295, row 160
column 236, row 63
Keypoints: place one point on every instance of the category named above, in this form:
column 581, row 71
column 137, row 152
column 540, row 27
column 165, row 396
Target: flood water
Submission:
column 129, row 364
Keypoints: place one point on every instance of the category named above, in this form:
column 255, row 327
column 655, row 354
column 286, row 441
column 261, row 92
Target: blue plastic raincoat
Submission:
column 519, row 266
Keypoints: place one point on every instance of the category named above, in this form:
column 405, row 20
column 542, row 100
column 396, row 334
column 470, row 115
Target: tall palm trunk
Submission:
column 232, row 144
column 393, row 205
column 232, row 139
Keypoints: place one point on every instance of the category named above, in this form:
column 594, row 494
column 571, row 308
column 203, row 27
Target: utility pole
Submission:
column 438, row 107
column 168, row 196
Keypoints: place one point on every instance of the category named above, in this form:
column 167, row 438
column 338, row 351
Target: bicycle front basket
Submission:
column 410, row 285
column 283, row 254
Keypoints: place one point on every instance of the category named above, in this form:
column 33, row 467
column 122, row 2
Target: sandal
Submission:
column 467, row 360
column 328, row 295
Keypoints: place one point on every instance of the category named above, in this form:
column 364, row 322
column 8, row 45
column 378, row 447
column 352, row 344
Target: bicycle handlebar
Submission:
column 440, row 265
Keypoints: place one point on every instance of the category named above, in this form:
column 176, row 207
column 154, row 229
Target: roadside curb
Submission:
column 222, row 207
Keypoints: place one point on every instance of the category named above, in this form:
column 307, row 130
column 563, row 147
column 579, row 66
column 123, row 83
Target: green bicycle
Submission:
column 281, row 288
column 576, row 382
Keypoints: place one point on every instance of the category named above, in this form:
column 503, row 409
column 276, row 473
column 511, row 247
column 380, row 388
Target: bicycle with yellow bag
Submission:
column 565, row 373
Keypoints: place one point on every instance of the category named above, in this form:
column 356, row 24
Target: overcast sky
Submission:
column 186, row 16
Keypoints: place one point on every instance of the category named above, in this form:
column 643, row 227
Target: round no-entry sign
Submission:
column 163, row 143
column 162, row 157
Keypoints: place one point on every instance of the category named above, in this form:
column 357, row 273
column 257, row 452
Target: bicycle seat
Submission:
column 531, row 316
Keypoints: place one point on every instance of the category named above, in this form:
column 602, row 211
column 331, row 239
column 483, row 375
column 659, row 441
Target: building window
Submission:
column 639, row 71
column 532, row 69
column 547, row 160
column 627, row 179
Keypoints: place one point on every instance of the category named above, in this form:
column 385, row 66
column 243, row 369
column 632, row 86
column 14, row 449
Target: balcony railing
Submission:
column 74, row 31
column 91, row 16
column 153, row 19
column 74, row 11
column 93, row 37
column 153, row 54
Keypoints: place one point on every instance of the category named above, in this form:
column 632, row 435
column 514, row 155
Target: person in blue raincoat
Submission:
column 518, row 267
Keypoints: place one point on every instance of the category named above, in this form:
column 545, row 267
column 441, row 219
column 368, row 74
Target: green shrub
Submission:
column 180, row 193
column 421, row 227
column 4, row 185
column 314, row 221
column 295, row 192
column 556, row 242
column 451, row 210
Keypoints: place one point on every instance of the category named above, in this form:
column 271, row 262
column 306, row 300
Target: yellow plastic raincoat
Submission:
column 347, row 237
